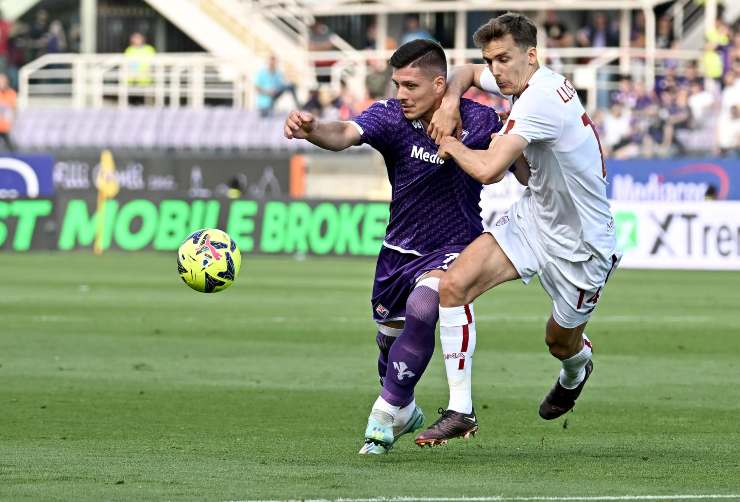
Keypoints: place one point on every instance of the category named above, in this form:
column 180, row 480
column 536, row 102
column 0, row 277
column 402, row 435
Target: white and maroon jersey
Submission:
column 567, row 186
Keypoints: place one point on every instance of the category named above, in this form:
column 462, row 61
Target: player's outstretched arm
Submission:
column 486, row 166
column 446, row 120
column 334, row 135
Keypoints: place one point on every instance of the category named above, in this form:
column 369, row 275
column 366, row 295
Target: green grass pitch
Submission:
column 117, row 382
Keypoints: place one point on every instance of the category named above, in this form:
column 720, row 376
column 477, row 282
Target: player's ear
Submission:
column 532, row 55
column 440, row 84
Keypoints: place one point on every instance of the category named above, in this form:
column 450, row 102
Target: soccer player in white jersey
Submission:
column 562, row 228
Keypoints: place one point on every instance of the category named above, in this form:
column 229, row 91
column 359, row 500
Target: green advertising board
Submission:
column 275, row 226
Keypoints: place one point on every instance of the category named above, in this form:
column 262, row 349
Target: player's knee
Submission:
column 561, row 345
column 556, row 348
column 451, row 291
column 423, row 304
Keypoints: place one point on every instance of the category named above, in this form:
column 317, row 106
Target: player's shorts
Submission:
column 395, row 277
column 575, row 287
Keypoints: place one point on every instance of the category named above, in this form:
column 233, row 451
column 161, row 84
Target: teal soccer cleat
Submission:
column 381, row 433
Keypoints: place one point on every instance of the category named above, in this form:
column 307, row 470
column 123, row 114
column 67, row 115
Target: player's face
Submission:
column 511, row 65
column 418, row 91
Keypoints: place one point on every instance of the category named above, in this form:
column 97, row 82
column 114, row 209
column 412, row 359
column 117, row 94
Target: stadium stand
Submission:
column 660, row 76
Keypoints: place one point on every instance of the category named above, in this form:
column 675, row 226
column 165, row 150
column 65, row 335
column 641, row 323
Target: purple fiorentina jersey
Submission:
column 434, row 203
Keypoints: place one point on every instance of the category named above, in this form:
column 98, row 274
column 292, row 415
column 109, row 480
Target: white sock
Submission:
column 457, row 335
column 383, row 405
column 574, row 368
column 404, row 414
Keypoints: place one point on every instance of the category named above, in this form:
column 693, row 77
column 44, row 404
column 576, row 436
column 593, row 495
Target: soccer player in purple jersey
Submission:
column 434, row 214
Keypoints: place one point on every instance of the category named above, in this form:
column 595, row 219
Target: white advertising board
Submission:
column 663, row 235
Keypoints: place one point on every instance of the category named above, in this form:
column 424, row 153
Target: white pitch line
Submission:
column 516, row 499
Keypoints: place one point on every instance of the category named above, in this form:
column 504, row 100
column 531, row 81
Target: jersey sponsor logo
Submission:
column 455, row 355
column 463, row 135
column 502, row 221
column 381, row 311
column 418, row 152
column 566, row 91
column 417, row 124
column 402, row 369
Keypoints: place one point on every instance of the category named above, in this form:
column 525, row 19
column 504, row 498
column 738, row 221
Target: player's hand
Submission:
column 299, row 125
column 445, row 144
column 446, row 121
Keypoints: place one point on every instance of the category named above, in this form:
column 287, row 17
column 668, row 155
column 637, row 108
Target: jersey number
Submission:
column 587, row 122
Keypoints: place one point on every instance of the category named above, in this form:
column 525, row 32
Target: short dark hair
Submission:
column 520, row 27
column 422, row 54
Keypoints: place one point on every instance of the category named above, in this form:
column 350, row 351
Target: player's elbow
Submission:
column 488, row 177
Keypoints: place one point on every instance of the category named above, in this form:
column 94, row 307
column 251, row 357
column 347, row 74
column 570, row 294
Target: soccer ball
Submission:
column 208, row 261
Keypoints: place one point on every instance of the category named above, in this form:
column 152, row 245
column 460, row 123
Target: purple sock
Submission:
column 412, row 350
column 384, row 344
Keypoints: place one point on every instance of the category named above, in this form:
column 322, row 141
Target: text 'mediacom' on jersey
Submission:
column 418, row 152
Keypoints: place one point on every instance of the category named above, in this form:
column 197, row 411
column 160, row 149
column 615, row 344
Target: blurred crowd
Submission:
column 23, row 42
column 691, row 109
column 694, row 107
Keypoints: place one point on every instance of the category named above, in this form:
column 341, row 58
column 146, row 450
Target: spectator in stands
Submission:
column 712, row 62
column 554, row 29
column 676, row 115
column 637, row 37
column 320, row 40
column 322, row 103
column 691, row 73
column 669, row 80
column 625, row 94
column 599, row 33
column 37, row 34
column 329, row 104
column 412, row 29
column 56, row 41
column 347, row 103
column 664, row 33
column 139, row 57
column 617, row 130
column 700, row 102
column 270, row 85
column 377, row 80
column 643, row 97
column 5, row 28
column 7, row 112
column 728, row 139
column 720, row 35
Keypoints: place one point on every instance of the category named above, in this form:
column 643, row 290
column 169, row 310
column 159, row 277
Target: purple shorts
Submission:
column 396, row 275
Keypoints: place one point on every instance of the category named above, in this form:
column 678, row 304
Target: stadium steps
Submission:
column 13, row 9
column 227, row 28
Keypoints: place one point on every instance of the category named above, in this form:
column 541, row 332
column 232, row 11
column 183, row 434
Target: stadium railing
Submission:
column 197, row 79
column 94, row 80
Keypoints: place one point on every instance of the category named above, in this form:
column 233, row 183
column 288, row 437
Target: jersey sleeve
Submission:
column 534, row 118
column 374, row 125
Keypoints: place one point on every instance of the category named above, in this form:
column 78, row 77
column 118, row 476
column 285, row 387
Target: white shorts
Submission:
column 574, row 287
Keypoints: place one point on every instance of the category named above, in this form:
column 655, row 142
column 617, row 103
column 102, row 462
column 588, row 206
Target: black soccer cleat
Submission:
column 561, row 400
column 451, row 424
